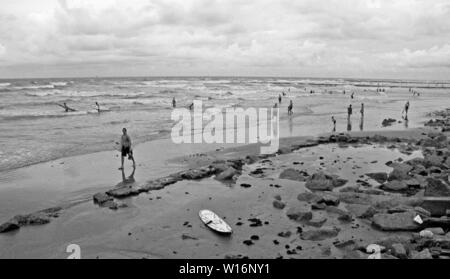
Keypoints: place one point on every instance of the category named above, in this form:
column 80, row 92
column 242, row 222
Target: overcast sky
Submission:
column 309, row 38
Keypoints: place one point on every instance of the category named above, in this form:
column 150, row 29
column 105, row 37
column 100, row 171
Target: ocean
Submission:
column 35, row 129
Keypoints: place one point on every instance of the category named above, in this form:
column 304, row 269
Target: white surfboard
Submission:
column 214, row 222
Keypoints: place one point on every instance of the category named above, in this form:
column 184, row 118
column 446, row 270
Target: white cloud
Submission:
column 257, row 37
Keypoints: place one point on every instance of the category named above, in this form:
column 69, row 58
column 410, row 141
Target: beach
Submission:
column 269, row 200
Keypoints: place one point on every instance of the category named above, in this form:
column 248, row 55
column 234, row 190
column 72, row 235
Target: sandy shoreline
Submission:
column 163, row 223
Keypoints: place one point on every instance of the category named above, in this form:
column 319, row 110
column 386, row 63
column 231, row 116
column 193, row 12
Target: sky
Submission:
column 291, row 38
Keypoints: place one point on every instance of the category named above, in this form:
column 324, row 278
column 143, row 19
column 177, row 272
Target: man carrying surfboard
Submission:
column 66, row 108
column 125, row 148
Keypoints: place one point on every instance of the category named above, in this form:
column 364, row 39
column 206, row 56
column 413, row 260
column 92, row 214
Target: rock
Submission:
column 436, row 231
column 396, row 222
column 9, row 226
column 355, row 198
column 293, row 174
column 341, row 244
column 308, row 197
column 330, row 200
column 286, row 234
column 101, row 198
column 343, row 215
column 324, row 182
column 379, row 177
column 395, row 186
column 320, row 234
column 399, row 251
column 412, row 183
column 188, row 237
column 227, row 175
column 123, row 192
column 284, row 150
column 300, row 212
column 361, row 210
column 423, row 255
column 196, row 174
column 400, row 171
column 388, row 122
column 437, row 188
column 279, row 204
column 317, row 221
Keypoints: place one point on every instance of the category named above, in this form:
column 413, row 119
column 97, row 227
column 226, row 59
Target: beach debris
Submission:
column 375, row 251
column 418, row 220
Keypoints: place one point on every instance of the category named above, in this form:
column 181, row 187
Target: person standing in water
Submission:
column 349, row 112
column 290, row 107
column 98, row 107
column 125, row 147
column 334, row 123
column 174, row 102
column 362, row 110
column 361, row 123
column 279, row 98
column 406, row 110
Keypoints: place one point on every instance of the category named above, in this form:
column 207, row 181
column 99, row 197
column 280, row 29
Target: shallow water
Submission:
column 35, row 129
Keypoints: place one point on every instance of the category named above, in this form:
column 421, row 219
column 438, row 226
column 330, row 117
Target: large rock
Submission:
column 309, row 197
column 437, row 188
column 9, row 226
column 324, row 182
column 101, row 198
column 300, row 212
column 395, row 186
column 403, row 221
column 400, row 171
column 293, row 174
column 320, row 234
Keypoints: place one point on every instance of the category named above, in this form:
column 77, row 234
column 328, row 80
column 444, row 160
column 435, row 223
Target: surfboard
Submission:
column 214, row 222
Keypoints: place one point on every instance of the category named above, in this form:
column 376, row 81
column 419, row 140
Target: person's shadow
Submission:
column 361, row 123
column 127, row 181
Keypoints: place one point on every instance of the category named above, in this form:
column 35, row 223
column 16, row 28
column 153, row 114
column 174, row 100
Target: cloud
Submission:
column 435, row 57
column 198, row 37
